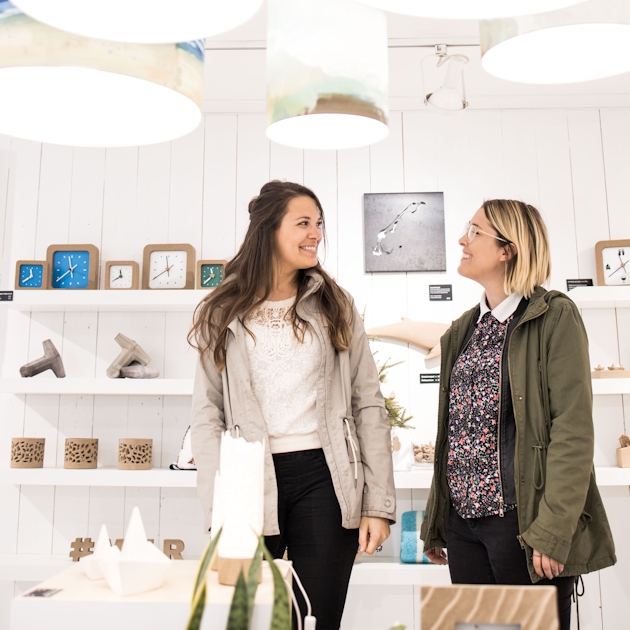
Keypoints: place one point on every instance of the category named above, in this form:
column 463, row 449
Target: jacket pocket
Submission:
column 584, row 520
column 540, row 456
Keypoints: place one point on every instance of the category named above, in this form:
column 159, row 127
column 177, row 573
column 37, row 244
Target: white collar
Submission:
column 503, row 310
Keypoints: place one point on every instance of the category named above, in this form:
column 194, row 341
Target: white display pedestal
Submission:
column 83, row 603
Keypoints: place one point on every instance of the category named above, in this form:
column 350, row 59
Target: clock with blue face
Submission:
column 73, row 266
column 210, row 273
column 31, row 274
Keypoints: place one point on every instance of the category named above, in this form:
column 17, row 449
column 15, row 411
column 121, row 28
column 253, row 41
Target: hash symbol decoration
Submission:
column 81, row 547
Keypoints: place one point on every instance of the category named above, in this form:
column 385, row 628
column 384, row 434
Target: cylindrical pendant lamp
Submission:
column 468, row 9
column 67, row 89
column 142, row 21
column 580, row 43
column 326, row 74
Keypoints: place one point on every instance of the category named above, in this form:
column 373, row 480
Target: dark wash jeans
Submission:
column 321, row 550
column 486, row 551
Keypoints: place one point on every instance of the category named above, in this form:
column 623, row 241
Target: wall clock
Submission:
column 613, row 262
column 31, row 274
column 210, row 273
column 73, row 266
column 122, row 274
column 168, row 267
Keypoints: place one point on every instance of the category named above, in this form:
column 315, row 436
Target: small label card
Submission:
column 440, row 292
column 579, row 282
column 6, row 296
column 429, row 378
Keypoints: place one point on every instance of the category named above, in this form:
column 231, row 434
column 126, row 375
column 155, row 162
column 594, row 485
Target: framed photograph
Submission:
column 404, row 232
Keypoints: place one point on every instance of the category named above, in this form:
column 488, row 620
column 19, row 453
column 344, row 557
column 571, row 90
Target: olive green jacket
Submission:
column 560, row 511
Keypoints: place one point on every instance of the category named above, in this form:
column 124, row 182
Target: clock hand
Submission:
column 159, row 274
column 622, row 266
column 207, row 280
column 168, row 269
column 63, row 275
column 71, row 268
column 30, row 276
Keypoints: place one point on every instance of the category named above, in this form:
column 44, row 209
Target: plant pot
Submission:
column 135, row 454
column 27, row 452
column 80, row 453
column 623, row 457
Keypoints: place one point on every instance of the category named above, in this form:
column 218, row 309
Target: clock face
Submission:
column 70, row 269
column 120, row 277
column 31, row 276
column 616, row 264
column 211, row 275
column 167, row 269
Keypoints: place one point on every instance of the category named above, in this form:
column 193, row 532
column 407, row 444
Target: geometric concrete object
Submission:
column 27, row 452
column 50, row 361
column 130, row 352
column 102, row 550
column 136, row 370
column 80, row 453
column 135, row 454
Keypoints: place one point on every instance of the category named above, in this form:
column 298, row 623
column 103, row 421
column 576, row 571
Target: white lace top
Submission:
column 284, row 375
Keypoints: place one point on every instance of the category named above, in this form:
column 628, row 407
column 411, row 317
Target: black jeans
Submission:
column 486, row 551
column 321, row 550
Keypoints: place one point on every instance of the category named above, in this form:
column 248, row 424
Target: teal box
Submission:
column 411, row 545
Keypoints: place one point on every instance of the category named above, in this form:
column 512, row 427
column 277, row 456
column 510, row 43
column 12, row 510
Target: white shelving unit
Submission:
column 607, row 386
column 98, row 386
column 601, row 297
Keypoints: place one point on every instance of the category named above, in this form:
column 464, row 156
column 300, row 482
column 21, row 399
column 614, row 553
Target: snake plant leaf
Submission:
column 252, row 579
column 239, row 609
column 400, row 627
column 196, row 613
column 281, row 613
column 199, row 594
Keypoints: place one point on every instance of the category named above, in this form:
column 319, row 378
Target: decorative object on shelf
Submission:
column 139, row 567
column 404, row 232
column 327, row 74
column 27, row 452
column 612, row 371
column 31, row 274
column 402, row 450
column 548, row 48
column 623, row 452
column 411, row 545
column 185, row 459
column 130, row 352
column 210, row 273
column 80, row 453
column 613, row 262
column 122, row 274
column 101, row 551
column 68, row 89
column 50, row 361
column 137, row 370
column 73, row 266
column 80, row 548
column 424, row 454
column 173, row 548
column 425, row 335
column 451, row 95
column 142, row 21
column 135, row 454
column 168, row 266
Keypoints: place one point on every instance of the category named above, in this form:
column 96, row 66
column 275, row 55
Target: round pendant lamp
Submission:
column 142, row 21
column 326, row 74
column 581, row 43
column 66, row 89
column 468, row 9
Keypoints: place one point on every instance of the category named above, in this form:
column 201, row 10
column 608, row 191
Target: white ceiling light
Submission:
column 468, row 9
column 581, row 43
column 142, row 21
column 326, row 74
column 66, row 89
column 451, row 95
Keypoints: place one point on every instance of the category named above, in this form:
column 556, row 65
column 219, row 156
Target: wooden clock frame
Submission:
column 191, row 257
column 135, row 274
column 208, row 262
column 599, row 247
column 94, row 263
column 43, row 263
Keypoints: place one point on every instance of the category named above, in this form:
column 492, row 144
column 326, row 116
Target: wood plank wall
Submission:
column 574, row 165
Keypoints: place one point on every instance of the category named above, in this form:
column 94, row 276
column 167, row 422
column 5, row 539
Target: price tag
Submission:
column 6, row 296
column 579, row 282
column 440, row 292
column 429, row 378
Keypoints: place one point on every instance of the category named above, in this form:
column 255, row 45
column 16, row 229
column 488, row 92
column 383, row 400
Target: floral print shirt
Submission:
column 473, row 457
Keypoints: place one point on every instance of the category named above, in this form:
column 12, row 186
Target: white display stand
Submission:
column 83, row 603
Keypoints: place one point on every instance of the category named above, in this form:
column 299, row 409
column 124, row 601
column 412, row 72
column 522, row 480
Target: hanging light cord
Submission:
column 309, row 620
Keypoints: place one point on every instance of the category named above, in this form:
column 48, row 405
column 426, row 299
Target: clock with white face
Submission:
column 613, row 263
column 168, row 267
column 122, row 274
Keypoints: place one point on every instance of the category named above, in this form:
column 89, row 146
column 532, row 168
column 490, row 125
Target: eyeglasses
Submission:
column 471, row 230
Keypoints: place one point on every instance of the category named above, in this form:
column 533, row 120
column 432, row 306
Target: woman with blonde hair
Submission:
column 514, row 497
column 284, row 358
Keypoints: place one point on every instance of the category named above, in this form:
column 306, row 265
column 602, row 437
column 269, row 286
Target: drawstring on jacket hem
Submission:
column 353, row 446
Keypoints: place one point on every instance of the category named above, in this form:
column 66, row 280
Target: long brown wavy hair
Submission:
column 249, row 278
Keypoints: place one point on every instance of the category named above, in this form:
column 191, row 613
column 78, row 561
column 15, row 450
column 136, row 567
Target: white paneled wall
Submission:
column 573, row 165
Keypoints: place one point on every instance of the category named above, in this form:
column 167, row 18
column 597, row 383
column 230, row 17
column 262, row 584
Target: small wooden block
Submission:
column 229, row 569
column 610, row 374
column 623, row 457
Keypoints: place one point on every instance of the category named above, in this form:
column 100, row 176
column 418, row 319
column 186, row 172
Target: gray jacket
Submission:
column 352, row 421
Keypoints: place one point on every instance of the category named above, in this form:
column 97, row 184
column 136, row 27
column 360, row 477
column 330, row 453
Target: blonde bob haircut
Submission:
column 521, row 225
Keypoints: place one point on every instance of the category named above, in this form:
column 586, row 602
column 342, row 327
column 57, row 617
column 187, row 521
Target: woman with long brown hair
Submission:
column 284, row 358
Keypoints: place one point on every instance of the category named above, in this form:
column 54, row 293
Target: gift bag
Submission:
column 411, row 546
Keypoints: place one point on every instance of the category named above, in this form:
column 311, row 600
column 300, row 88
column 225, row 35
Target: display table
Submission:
column 83, row 603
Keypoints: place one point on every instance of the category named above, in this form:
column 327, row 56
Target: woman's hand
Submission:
column 436, row 555
column 546, row 566
column 373, row 532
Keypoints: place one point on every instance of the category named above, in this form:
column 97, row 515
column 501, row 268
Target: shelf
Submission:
column 184, row 300
column 98, row 386
column 601, row 297
column 604, row 386
column 165, row 478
